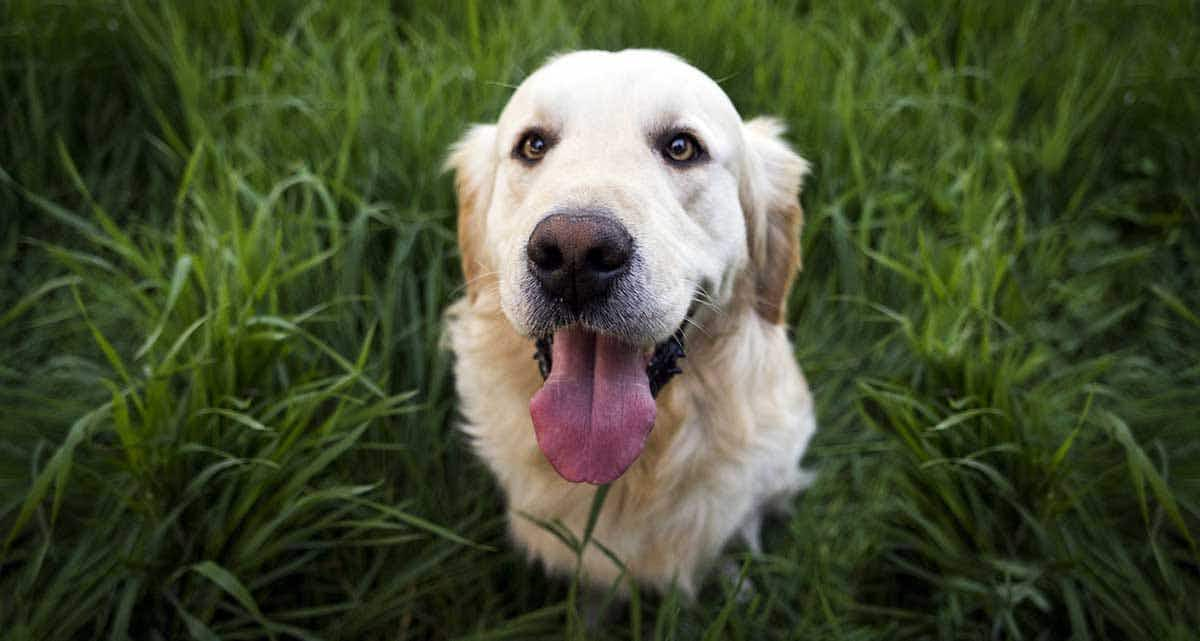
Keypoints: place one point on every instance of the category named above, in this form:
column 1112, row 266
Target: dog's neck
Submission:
column 720, row 343
column 709, row 339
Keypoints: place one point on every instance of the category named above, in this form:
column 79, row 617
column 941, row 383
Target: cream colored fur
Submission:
column 731, row 429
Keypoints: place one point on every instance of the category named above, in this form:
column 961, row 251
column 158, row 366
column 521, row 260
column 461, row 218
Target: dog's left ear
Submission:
column 770, row 196
column 471, row 159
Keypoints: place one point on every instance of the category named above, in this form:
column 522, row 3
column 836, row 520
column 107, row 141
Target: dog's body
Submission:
column 684, row 221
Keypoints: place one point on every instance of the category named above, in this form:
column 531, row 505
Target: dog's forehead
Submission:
column 593, row 86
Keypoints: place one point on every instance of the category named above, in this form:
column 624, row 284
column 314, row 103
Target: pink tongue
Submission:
column 594, row 412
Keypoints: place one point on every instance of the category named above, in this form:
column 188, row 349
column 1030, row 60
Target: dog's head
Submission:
column 615, row 192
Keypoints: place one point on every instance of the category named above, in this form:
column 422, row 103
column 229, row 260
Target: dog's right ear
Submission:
column 472, row 159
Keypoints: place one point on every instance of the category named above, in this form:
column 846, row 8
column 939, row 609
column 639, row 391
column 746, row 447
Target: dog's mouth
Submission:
column 595, row 410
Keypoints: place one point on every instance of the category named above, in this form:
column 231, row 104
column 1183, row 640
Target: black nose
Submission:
column 576, row 257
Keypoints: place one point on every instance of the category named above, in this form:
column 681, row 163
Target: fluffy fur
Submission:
column 719, row 237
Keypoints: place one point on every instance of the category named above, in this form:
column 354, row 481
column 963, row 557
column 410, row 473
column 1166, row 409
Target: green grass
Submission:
column 225, row 243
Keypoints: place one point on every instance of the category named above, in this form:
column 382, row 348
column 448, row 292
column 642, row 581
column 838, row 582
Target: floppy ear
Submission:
column 770, row 195
column 473, row 163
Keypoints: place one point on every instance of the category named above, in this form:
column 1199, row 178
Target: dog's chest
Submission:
column 710, row 463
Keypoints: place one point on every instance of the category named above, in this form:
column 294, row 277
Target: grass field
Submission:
column 225, row 244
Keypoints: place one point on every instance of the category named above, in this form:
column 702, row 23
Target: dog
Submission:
column 628, row 245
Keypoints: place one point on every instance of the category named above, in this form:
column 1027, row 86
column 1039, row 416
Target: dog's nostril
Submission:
column 546, row 256
column 606, row 258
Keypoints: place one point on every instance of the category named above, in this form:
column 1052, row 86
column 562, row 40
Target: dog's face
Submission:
column 615, row 192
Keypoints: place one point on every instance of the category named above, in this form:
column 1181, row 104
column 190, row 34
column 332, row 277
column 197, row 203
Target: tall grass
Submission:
column 226, row 245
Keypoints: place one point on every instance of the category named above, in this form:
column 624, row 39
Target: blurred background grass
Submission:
column 225, row 242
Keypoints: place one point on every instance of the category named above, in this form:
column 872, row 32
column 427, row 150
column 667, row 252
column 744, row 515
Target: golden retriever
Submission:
column 618, row 213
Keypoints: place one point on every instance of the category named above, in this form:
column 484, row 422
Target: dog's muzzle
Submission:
column 596, row 406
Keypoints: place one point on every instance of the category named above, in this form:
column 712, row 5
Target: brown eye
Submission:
column 533, row 146
column 682, row 148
